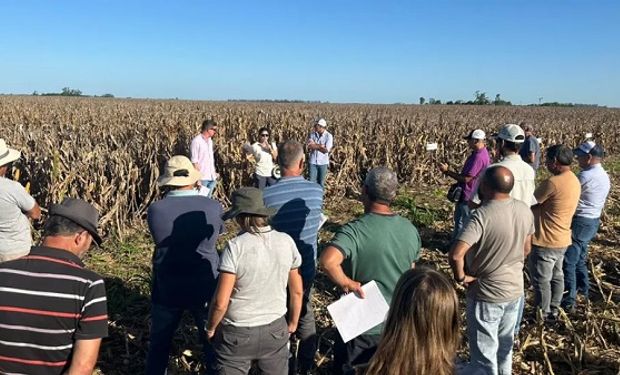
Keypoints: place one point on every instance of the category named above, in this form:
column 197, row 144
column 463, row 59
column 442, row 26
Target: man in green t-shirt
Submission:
column 379, row 246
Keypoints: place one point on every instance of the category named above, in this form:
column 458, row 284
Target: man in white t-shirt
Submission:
column 16, row 207
column 203, row 159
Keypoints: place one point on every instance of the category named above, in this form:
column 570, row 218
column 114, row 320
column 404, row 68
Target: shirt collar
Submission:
column 512, row 157
column 182, row 193
column 56, row 253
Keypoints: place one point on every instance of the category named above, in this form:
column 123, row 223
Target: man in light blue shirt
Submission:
column 319, row 145
column 595, row 187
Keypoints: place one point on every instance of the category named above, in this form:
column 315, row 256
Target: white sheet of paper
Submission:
column 354, row 316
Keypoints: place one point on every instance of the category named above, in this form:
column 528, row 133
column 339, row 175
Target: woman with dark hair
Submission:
column 247, row 318
column 421, row 334
column 264, row 154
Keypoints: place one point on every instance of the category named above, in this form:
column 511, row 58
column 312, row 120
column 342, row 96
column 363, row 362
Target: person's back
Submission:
column 15, row 236
column 524, row 176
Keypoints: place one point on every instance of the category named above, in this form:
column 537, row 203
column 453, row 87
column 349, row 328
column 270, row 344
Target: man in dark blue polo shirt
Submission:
column 185, row 227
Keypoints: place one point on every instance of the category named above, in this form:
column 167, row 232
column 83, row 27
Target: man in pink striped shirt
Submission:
column 202, row 157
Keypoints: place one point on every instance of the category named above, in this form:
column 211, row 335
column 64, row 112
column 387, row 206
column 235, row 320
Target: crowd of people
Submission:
column 249, row 300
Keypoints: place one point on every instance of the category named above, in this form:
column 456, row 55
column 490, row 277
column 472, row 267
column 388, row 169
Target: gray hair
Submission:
column 290, row 153
column 381, row 185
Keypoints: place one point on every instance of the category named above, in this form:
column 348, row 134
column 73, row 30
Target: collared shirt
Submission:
column 48, row 300
column 524, row 179
column 299, row 203
column 325, row 139
column 15, row 236
column 202, row 154
column 474, row 165
column 530, row 145
column 595, row 187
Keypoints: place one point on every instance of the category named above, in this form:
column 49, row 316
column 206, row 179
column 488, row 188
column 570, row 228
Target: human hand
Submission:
column 210, row 335
column 443, row 167
column 354, row 287
column 292, row 327
column 468, row 280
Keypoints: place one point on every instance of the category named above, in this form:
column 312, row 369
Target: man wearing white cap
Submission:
column 467, row 180
column 320, row 143
column 16, row 207
column 595, row 187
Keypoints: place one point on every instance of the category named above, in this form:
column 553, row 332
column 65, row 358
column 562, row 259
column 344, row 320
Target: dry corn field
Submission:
column 110, row 151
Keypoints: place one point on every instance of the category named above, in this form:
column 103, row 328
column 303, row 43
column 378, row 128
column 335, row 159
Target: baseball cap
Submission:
column 322, row 123
column 511, row 133
column 589, row 148
column 476, row 134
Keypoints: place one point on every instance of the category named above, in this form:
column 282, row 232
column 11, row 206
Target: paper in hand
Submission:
column 353, row 315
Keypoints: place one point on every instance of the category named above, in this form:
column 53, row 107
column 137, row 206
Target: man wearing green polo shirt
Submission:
column 379, row 246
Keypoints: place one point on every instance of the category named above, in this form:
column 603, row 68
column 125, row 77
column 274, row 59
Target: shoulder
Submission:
column 197, row 138
column 8, row 185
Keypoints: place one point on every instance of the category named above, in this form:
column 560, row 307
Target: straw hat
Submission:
column 7, row 155
column 248, row 200
column 179, row 171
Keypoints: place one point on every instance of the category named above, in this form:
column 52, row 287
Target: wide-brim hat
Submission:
column 81, row 213
column 7, row 155
column 248, row 200
column 178, row 171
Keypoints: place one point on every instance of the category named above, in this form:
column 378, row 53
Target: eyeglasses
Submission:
column 264, row 135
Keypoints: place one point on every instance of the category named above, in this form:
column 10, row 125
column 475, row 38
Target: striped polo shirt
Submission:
column 48, row 300
column 299, row 203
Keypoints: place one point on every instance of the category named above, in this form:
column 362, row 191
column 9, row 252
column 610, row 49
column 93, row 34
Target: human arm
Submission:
column 443, row 168
column 527, row 246
column 220, row 302
column 296, row 292
column 331, row 263
column 84, row 358
column 545, row 190
column 457, row 262
column 34, row 213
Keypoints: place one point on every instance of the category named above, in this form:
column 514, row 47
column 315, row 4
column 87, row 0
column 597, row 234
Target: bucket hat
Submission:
column 80, row 212
column 248, row 200
column 179, row 171
column 7, row 154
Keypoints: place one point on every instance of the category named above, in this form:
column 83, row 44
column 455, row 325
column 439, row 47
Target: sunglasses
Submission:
column 264, row 135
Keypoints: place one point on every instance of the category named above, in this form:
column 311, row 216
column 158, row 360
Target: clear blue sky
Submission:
column 338, row 50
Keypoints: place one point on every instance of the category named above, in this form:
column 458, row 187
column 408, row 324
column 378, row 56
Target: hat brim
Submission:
column 233, row 212
column 60, row 211
column 580, row 152
column 10, row 157
column 194, row 176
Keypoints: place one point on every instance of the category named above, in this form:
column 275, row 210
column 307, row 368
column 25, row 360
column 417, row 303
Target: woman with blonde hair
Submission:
column 421, row 334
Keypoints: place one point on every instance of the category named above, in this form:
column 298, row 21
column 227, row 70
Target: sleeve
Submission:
column 474, row 169
column 329, row 144
column 195, row 151
column 417, row 245
column 93, row 323
column 532, row 228
column 345, row 241
column 472, row 232
column 256, row 151
column 228, row 262
column 544, row 191
column 24, row 201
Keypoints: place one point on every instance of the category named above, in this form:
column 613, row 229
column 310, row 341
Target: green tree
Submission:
column 422, row 100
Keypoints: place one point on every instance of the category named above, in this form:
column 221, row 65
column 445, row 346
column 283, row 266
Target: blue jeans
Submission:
column 575, row 269
column 490, row 331
column 209, row 184
column 318, row 173
column 461, row 217
column 545, row 267
column 164, row 323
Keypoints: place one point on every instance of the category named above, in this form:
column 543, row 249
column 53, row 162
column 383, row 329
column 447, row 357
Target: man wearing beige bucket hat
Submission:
column 16, row 207
column 184, row 226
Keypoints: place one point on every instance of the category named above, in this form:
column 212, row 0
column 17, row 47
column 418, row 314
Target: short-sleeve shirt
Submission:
column 595, row 187
column 380, row 248
column 524, row 180
column 202, row 154
column 264, row 160
column 477, row 162
column 530, row 145
column 48, row 300
column 15, row 236
column 184, row 227
column 299, row 203
column 261, row 263
column 557, row 202
column 325, row 139
column 497, row 232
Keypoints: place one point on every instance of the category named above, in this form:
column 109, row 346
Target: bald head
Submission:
column 498, row 179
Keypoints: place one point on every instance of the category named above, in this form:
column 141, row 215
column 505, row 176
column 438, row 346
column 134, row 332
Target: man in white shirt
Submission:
column 203, row 159
column 319, row 145
column 16, row 207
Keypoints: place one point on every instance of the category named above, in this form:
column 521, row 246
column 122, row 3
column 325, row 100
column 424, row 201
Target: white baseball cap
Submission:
column 476, row 134
column 511, row 133
column 322, row 123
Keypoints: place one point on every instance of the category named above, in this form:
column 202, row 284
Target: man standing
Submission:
column 557, row 199
column 488, row 259
column 378, row 246
column 298, row 203
column 203, row 159
column 320, row 144
column 467, row 179
column 530, row 150
column 184, row 227
column 595, row 187
column 16, row 207
column 53, row 310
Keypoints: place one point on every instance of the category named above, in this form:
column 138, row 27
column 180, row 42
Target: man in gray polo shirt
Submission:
column 16, row 207
column 488, row 258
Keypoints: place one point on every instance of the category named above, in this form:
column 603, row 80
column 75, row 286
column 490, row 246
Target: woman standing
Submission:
column 264, row 154
column 247, row 319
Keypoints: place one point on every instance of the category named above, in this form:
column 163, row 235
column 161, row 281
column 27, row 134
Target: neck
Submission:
column 291, row 172
column 508, row 153
column 3, row 171
column 188, row 187
column 495, row 196
column 563, row 168
column 205, row 135
column 61, row 243
column 377, row 208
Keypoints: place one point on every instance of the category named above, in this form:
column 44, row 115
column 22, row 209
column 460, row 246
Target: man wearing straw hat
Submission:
column 184, row 226
column 16, row 207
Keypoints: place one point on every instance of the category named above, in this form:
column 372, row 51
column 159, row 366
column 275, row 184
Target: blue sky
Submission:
column 337, row 51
